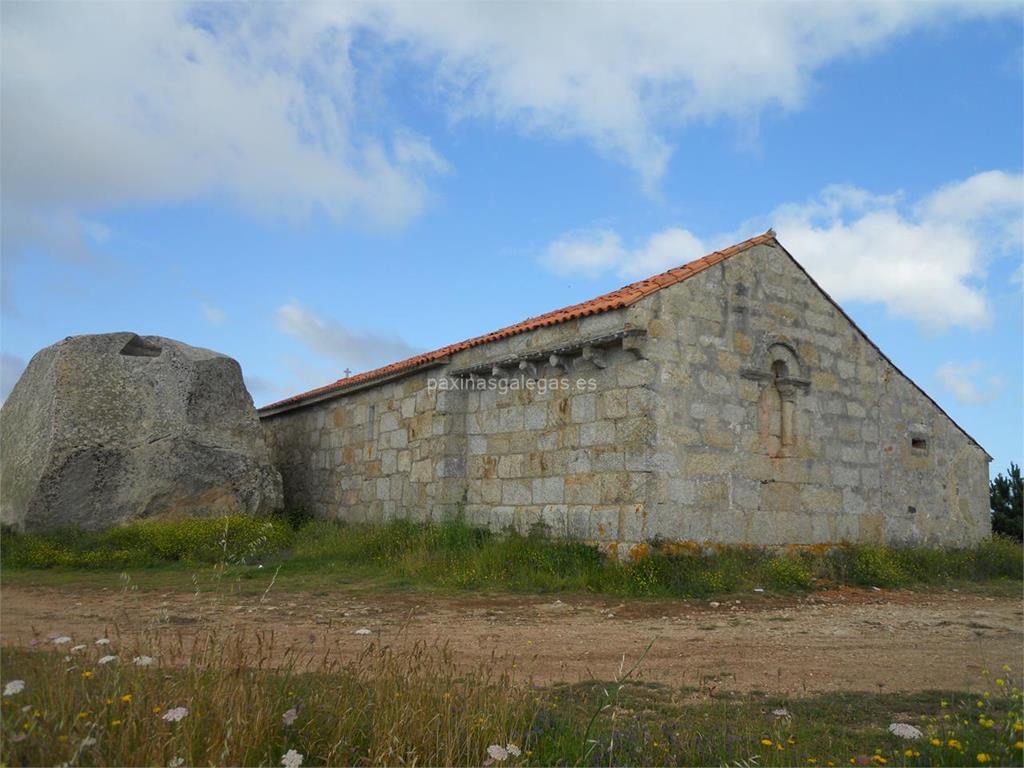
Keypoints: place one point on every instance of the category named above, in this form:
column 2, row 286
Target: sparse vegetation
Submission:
column 229, row 700
column 454, row 555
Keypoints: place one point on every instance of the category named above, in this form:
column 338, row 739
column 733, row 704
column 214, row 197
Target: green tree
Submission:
column 1006, row 495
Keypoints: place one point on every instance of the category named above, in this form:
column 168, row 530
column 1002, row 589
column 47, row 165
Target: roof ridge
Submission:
column 620, row 298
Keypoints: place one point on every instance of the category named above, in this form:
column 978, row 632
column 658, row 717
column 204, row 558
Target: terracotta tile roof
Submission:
column 618, row 299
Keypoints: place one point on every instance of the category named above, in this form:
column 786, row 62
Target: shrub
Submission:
column 866, row 565
column 786, row 573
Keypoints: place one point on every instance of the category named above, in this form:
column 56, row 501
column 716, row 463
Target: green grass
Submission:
column 230, row 539
column 453, row 556
column 385, row 708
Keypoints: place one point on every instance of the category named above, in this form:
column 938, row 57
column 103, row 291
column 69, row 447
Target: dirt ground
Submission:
column 840, row 640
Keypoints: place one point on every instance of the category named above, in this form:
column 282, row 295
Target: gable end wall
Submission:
column 850, row 473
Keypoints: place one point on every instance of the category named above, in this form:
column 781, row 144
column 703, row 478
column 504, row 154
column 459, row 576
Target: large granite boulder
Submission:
column 104, row 429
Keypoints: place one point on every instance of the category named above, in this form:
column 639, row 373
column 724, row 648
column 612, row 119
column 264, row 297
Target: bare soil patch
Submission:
column 849, row 639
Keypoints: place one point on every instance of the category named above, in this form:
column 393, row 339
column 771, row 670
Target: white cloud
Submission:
column 962, row 380
column 586, row 252
column 212, row 314
column 276, row 107
column 109, row 103
column 11, row 368
column 923, row 261
column 621, row 75
column 358, row 350
column 594, row 252
column 262, row 388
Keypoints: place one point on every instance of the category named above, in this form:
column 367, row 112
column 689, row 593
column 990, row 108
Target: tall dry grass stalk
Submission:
column 249, row 702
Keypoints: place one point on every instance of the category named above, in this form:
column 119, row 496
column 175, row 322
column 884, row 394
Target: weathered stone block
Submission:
column 104, row 429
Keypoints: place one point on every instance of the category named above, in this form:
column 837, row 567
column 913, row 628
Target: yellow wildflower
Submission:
column 1018, row 726
column 82, row 715
column 954, row 744
column 62, row 738
column 936, row 743
column 982, row 757
column 766, row 742
column 812, row 760
column 909, row 753
column 791, row 740
column 126, row 698
column 115, row 723
column 1019, row 745
column 87, row 674
column 1000, row 682
column 110, row 701
column 879, row 760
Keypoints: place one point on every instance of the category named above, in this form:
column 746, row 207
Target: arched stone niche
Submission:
column 783, row 379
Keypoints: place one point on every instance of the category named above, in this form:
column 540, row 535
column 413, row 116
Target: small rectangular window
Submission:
column 919, row 444
column 371, row 413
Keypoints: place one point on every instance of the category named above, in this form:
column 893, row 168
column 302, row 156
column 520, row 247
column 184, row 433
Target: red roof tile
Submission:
column 623, row 297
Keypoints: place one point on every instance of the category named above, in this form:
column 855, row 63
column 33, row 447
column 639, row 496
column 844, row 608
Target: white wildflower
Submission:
column 88, row 741
column 176, row 762
column 497, row 752
column 26, row 708
column 103, row 641
column 142, row 661
column 77, row 648
column 905, row 731
column 106, row 659
column 175, row 715
column 291, row 759
column 289, row 716
column 513, row 750
column 61, row 640
column 13, row 687
column 781, row 712
column 363, row 631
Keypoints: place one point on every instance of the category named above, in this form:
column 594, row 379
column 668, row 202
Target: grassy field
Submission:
column 455, row 556
column 153, row 699
column 132, row 703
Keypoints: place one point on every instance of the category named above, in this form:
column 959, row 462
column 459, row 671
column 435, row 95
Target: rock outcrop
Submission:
column 112, row 427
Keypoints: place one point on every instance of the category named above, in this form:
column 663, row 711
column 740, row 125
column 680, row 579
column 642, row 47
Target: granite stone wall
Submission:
column 740, row 405
column 779, row 422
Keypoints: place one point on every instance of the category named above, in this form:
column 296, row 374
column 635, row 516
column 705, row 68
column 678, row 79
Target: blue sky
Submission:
column 319, row 187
